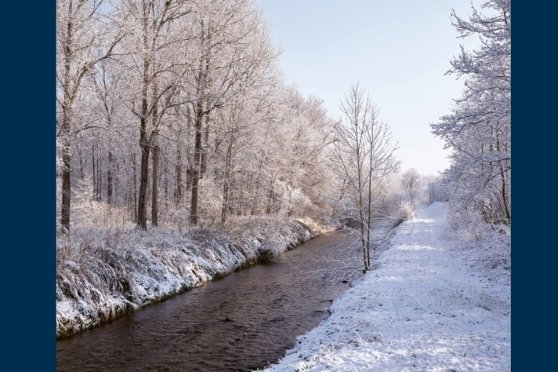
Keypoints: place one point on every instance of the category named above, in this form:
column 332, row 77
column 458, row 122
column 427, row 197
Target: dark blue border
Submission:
column 28, row 186
column 28, row 190
column 534, row 186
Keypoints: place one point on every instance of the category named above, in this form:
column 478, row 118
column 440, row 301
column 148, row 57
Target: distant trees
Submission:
column 436, row 192
column 365, row 157
column 478, row 129
column 411, row 183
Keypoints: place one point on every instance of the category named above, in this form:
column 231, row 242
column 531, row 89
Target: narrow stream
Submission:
column 241, row 322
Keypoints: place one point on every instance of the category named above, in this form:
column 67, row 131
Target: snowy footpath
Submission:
column 436, row 302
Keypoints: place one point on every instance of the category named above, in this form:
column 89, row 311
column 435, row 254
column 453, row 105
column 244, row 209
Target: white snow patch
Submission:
column 435, row 303
column 416, row 247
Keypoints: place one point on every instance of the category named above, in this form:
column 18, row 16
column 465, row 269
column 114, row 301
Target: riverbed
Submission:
column 241, row 322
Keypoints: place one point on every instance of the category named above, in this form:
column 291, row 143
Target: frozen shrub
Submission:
column 406, row 211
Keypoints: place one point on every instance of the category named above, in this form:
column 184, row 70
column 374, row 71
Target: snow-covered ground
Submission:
column 437, row 301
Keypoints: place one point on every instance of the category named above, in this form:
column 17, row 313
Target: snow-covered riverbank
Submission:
column 437, row 301
column 102, row 274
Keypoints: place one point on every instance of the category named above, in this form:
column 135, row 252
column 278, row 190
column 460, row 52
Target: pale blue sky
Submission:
column 398, row 50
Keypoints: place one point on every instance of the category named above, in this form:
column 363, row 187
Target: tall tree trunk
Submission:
column 144, row 164
column 206, row 39
column 178, row 172
column 99, row 176
column 155, row 169
column 94, row 171
column 225, row 204
column 142, row 196
column 115, row 182
column 135, row 193
column 145, row 144
column 189, row 176
column 196, row 168
column 362, row 241
column 66, row 129
column 198, row 123
column 505, row 200
column 503, row 191
column 226, row 180
column 66, row 181
column 109, row 178
column 189, row 154
column 203, row 166
column 166, row 185
column 81, row 170
column 369, row 221
column 155, row 187
column 360, row 204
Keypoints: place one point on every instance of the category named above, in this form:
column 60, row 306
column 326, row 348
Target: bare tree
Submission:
column 365, row 154
column 411, row 182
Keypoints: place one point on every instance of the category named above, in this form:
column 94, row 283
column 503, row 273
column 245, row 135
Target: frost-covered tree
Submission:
column 478, row 128
column 106, row 82
column 365, row 155
column 188, row 118
column 83, row 38
column 411, row 182
column 153, row 43
column 234, row 55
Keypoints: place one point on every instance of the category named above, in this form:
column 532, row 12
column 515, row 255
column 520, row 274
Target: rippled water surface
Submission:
column 241, row 322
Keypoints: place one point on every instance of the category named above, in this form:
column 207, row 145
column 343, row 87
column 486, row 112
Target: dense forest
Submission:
column 174, row 113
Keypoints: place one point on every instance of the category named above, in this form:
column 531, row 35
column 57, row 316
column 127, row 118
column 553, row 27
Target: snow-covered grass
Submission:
column 439, row 300
column 406, row 211
column 105, row 272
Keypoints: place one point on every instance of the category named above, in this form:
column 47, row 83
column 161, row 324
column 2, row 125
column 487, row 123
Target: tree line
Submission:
column 175, row 108
column 174, row 113
column 479, row 126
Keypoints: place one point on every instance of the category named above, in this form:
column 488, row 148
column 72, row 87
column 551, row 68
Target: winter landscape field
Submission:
column 283, row 186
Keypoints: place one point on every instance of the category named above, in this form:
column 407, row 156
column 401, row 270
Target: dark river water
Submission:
column 241, row 322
